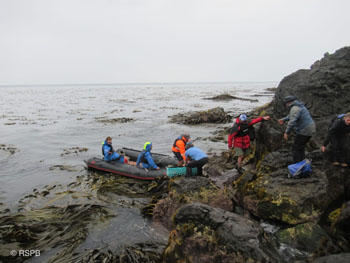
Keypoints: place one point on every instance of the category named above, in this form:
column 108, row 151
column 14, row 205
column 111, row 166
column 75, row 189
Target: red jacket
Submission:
column 239, row 134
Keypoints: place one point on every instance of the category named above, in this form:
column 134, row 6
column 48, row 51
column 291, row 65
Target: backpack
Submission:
column 300, row 169
column 251, row 131
column 338, row 117
column 252, row 134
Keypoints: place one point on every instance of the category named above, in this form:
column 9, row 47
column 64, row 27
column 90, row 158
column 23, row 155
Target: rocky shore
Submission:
column 259, row 216
column 220, row 220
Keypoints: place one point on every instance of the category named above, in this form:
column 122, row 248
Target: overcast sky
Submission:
column 133, row 41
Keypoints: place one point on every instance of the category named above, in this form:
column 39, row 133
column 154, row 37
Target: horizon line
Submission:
column 127, row 83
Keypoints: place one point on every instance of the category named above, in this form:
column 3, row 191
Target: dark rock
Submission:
column 325, row 89
column 226, row 96
column 190, row 184
column 234, row 233
column 293, row 201
column 114, row 120
column 343, row 221
column 307, row 237
column 215, row 115
column 337, row 258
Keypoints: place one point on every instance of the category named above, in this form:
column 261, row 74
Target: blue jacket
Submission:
column 145, row 157
column 113, row 156
column 195, row 153
column 299, row 119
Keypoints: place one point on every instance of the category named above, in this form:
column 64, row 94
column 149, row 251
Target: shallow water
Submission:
column 43, row 129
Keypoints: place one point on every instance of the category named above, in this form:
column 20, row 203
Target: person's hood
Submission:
column 296, row 103
column 147, row 146
column 105, row 143
column 237, row 121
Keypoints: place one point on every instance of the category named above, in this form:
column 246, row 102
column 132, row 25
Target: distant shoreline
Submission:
column 140, row 83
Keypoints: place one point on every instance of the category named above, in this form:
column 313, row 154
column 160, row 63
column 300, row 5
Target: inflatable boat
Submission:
column 123, row 169
column 165, row 162
column 162, row 160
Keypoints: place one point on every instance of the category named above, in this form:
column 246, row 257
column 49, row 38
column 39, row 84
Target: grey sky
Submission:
column 130, row 41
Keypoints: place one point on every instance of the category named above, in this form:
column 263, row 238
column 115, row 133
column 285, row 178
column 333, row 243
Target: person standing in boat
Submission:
column 109, row 153
column 145, row 160
column 178, row 148
column 195, row 158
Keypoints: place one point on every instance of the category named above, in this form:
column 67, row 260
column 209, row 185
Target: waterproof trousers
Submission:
column 198, row 164
column 298, row 147
column 339, row 148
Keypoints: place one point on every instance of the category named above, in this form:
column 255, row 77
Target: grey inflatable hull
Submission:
column 123, row 169
column 162, row 160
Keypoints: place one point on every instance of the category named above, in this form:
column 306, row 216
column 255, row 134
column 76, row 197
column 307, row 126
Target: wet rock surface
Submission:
column 215, row 115
column 337, row 258
column 302, row 204
column 343, row 220
column 226, row 96
column 215, row 235
column 10, row 149
column 74, row 150
column 114, row 120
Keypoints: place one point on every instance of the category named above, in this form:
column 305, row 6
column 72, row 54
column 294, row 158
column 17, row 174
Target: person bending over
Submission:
column 179, row 148
column 195, row 157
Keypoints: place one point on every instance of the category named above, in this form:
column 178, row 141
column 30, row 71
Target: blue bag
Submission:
column 300, row 169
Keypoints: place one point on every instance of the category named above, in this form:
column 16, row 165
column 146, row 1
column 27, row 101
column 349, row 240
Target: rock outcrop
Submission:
column 268, row 193
column 215, row 115
column 206, row 234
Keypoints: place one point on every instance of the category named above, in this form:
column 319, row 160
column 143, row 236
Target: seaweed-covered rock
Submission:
column 325, row 90
column 306, row 237
column 272, row 195
column 226, row 97
column 190, row 184
column 189, row 190
column 114, row 120
column 337, row 258
column 343, row 220
column 206, row 234
column 215, row 115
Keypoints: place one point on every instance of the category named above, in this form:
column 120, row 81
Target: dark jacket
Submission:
column 337, row 131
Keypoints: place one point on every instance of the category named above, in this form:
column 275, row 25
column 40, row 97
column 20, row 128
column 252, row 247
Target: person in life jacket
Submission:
column 145, row 160
column 179, row 148
column 195, row 157
column 301, row 121
column 239, row 137
column 109, row 153
column 338, row 136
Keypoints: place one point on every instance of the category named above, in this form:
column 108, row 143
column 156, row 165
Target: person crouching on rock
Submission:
column 109, row 153
column 179, row 148
column 195, row 157
column 145, row 159
column 338, row 136
column 300, row 120
column 239, row 138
